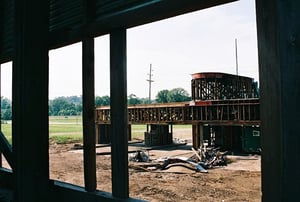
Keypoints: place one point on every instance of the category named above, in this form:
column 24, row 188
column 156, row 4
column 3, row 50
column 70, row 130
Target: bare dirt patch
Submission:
column 239, row 181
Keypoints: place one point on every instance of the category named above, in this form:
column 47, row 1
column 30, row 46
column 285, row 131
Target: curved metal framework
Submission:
column 222, row 86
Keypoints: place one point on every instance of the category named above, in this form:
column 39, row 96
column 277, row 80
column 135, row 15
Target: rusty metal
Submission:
column 222, row 86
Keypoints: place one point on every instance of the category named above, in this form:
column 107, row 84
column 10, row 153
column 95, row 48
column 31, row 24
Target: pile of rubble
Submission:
column 200, row 161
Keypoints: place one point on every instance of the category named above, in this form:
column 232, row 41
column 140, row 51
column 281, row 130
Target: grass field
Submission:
column 68, row 129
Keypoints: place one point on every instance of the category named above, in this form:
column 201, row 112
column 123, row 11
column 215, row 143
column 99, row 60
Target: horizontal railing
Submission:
column 241, row 111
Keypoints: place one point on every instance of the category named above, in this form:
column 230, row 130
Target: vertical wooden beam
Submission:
column 0, row 113
column 88, row 112
column 88, row 102
column 278, row 29
column 119, row 122
column 30, row 101
column 129, row 132
column 97, row 133
column 197, row 131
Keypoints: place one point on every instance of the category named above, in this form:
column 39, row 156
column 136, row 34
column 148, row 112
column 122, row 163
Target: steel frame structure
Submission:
column 222, row 86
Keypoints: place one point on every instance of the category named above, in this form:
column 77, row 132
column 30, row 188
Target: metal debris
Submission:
column 204, row 158
column 139, row 156
column 209, row 157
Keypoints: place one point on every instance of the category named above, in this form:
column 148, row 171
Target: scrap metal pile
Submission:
column 200, row 161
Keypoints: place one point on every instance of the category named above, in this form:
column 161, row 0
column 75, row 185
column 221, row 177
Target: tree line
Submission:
column 72, row 105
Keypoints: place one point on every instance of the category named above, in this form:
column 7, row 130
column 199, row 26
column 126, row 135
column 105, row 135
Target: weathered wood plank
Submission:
column 64, row 192
column 0, row 110
column 143, row 13
column 119, row 119
column 88, row 107
column 30, row 101
column 279, row 61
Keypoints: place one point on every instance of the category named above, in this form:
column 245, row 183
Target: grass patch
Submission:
column 65, row 139
column 66, row 119
column 65, row 133
column 6, row 130
column 64, row 128
column 137, row 131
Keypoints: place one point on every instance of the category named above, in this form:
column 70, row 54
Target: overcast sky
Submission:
column 202, row 41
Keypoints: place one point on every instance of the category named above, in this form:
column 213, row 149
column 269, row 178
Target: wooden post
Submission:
column 278, row 29
column 30, row 101
column 119, row 119
column 88, row 102
column 129, row 132
column 0, row 114
column 97, row 133
column 88, row 110
column 197, row 130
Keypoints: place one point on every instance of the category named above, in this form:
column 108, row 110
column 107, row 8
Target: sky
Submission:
column 202, row 41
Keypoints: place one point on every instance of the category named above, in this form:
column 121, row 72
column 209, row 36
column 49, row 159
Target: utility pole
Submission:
column 150, row 81
column 236, row 59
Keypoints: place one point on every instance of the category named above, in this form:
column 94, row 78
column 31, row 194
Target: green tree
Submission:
column 178, row 95
column 62, row 107
column 133, row 100
column 102, row 101
column 162, row 96
column 6, row 112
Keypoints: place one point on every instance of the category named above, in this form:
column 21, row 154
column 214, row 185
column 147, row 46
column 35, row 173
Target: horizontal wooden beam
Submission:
column 64, row 192
column 6, row 178
column 130, row 17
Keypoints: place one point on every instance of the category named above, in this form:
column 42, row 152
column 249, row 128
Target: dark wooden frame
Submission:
column 279, row 52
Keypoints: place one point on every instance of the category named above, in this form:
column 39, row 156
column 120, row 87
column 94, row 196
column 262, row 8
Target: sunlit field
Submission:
column 68, row 129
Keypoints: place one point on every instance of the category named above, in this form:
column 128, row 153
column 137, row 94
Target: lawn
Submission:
column 68, row 129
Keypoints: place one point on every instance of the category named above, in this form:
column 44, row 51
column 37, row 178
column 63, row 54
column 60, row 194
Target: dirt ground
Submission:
column 239, row 181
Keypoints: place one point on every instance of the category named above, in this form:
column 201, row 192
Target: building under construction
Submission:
column 229, row 121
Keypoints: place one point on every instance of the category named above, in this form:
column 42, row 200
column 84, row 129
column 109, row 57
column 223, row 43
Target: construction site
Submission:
column 227, row 111
column 224, row 112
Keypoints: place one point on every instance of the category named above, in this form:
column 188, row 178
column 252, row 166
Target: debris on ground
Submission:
column 209, row 157
column 202, row 159
column 139, row 156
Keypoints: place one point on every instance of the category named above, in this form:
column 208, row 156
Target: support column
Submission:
column 119, row 119
column 278, row 29
column 88, row 118
column 197, row 130
column 104, row 133
column 129, row 132
column 0, row 114
column 88, row 101
column 30, row 127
